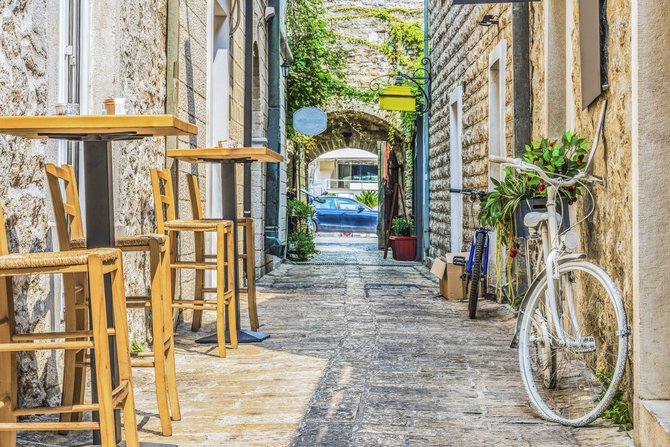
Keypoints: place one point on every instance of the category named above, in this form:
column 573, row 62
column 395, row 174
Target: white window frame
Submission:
column 456, row 167
column 497, row 107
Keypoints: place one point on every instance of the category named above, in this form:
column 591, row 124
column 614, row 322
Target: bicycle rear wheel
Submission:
column 572, row 381
column 475, row 274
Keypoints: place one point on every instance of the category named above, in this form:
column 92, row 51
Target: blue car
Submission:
column 340, row 214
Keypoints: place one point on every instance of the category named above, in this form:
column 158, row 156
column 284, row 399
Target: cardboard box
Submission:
column 452, row 287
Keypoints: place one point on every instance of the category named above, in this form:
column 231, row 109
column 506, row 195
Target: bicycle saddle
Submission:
column 534, row 219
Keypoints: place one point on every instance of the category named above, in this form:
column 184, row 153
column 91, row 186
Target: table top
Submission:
column 234, row 154
column 79, row 127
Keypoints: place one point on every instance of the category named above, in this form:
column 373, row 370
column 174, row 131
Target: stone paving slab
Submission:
column 363, row 352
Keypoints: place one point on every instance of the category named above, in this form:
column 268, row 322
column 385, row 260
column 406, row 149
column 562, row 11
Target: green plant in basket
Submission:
column 402, row 226
column 563, row 157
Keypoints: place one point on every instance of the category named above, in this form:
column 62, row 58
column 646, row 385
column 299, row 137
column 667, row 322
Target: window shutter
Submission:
column 589, row 50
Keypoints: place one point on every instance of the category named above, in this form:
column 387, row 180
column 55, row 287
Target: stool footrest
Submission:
column 66, row 345
column 213, row 290
column 52, row 336
column 49, row 426
column 195, row 265
column 56, row 410
column 146, row 364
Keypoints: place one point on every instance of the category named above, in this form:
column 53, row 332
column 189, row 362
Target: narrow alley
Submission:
column 363, row 352
column 377, row 358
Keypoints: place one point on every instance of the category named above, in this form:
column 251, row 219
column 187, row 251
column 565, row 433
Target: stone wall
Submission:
column 27, row 68
column 460, row 50
column 354, row 30
column 607, row 235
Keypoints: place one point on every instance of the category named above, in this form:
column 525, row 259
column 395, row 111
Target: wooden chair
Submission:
column 94, row 264
column 247, row 226
column 161, row 358
column 166, row 221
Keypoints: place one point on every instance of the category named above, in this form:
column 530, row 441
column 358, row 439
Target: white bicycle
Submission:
column 572, row 331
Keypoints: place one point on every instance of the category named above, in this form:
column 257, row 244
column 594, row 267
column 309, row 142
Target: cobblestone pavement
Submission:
column 362, row 353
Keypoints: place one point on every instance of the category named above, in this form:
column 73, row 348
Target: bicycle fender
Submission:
column 536, row 283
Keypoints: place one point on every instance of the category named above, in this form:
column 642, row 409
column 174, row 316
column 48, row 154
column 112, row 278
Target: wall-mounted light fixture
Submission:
column 489, row 20
column 285, row 68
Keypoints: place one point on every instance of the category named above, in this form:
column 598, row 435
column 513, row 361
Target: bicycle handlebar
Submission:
column 518, row 163
column 471, row 192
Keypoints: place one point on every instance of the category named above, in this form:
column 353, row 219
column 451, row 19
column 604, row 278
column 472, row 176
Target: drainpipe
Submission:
column 521, row 70
column 248, row 96
column 426, row 134
column 274, row 129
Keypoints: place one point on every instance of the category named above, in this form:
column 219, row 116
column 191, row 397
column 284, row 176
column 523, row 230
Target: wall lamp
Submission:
column 489, row 20
column 285, row 68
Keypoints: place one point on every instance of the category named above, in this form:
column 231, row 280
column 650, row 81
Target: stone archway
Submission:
column 356, row 129
column 368, row 129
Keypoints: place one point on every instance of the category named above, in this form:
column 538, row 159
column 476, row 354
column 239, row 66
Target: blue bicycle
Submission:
column 476, row 269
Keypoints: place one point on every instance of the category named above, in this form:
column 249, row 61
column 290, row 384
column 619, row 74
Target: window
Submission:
column 456, row 167
column 348, row 204
column 357, row 171
column 497, row 105
column 328, row 204
column 593, row 35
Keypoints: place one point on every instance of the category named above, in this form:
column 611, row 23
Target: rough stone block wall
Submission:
column 26, row 68
column 460, row 50
column 142, row 82
column 607, row 235
column 363, row 62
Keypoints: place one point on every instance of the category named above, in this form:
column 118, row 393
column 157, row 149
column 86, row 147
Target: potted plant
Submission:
column 517, row 192
column 403, row 239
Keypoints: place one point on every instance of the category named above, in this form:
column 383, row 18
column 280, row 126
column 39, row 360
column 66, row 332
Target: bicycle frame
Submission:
column 485, row 255
column 553, row 251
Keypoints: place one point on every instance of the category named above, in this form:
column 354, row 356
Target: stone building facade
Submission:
column 468, row 61
column 622, row 234
column 158, row 55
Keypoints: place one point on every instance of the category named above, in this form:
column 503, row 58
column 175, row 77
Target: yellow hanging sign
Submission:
column 397, row 97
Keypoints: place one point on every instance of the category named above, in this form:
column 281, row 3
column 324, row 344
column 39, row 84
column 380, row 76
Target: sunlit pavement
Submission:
column 360, row 354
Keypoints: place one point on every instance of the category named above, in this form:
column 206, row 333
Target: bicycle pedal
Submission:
column 586, row 344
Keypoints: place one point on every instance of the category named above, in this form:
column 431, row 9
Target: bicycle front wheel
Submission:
column 572, row 380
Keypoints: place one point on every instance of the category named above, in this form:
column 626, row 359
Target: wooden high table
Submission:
column 227, row 158
column 97, row 132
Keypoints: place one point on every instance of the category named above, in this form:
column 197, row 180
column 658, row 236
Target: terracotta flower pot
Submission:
column 404, row 248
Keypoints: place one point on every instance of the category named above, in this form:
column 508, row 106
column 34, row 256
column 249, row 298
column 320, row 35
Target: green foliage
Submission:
column 402, row 226
column 136, row 347
column 619, row 410
column 563, row 157
column 368, row 198
column 317, row 73
column 300, row 240
column 404, row 42
column 301, row 246
column 299, row 209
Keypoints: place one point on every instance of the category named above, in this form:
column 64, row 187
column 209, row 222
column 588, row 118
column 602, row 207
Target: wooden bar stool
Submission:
column 247, row 256
column 166, row 221
column 161, row 357
column 95, row 264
